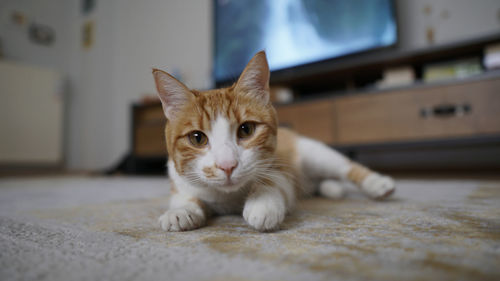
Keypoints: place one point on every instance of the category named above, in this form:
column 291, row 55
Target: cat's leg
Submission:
column 320, row 161
column 332, row 189
column 185, row 213
column 373, row 184
column 267, row 204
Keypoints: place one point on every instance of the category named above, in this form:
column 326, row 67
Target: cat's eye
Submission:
column 245, row 130
column 198, row 138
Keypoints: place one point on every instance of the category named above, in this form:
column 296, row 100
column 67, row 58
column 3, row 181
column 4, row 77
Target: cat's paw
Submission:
column 181, row 219
column 377, row 186
column 264, row 215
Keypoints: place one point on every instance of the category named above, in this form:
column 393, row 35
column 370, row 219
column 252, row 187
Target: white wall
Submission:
column 170, row 35
column 451, row 20
column 131, row 37
column 89, row 137
column 15, row 41
column 134, row 36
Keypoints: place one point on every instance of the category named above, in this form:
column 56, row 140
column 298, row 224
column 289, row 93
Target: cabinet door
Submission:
column 482, row 100
column 149, row 136
column 311, row 119
column 385, row 117
column 419, row 114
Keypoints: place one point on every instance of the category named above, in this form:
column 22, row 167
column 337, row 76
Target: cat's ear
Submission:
column 173, row 94
column 254, row 80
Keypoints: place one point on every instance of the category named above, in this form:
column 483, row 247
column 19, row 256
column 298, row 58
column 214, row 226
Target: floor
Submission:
column 96, row 228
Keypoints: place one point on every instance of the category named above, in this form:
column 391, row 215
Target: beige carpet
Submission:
column 81, row 228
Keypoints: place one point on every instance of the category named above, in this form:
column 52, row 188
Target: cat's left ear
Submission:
column 173, row 94
column 254, row 80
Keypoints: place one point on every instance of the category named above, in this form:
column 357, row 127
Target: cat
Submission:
column 228, row 156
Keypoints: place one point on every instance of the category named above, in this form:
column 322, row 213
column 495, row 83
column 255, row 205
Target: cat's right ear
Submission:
column 254, row 80
column 173, row 94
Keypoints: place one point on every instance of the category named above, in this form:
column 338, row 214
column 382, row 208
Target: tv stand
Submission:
column 446, row 125
column 449, row 125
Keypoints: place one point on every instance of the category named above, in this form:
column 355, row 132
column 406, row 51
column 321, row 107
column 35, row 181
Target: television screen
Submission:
column 297, row 32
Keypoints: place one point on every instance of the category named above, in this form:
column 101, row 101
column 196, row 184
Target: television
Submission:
column 295, row 33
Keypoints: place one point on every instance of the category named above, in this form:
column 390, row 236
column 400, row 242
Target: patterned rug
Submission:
column 78, row 228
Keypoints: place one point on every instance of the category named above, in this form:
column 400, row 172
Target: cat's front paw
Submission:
column 264, row 215
column 181, row 219
column 377, row 186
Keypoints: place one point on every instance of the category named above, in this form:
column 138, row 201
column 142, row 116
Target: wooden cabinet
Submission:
column 484, row 100
column 451, row 110
column 314, row 119
column 381, row 129
column 148, row 139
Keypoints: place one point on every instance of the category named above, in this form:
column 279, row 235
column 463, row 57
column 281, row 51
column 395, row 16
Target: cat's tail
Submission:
column 320, row 162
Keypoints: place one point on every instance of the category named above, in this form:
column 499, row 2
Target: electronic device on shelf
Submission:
column 297, row 33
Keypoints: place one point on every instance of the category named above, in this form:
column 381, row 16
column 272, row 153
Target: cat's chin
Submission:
column 230, row 186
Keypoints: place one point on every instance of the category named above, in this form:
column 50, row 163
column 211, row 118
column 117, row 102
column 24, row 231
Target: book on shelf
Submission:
column 492, row 56
column 456, row 69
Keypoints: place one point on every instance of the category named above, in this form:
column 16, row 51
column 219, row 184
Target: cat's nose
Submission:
column 227, row 166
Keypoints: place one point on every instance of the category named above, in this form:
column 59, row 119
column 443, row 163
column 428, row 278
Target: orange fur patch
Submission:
column 358, row 173
column 210, row 172
column 287, row 155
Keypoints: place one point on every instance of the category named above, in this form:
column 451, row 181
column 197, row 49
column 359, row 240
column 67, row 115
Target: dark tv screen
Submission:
column 297, row 32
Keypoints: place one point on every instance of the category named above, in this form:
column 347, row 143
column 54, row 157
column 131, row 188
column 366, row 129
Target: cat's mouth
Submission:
column 230, row 184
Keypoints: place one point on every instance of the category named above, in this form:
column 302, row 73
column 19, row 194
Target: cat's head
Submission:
column 220, row 138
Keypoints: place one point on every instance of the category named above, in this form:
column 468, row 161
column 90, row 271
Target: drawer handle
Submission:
column 445, row 110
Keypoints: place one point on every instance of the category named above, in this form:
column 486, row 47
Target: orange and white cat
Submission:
column 228, row 156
